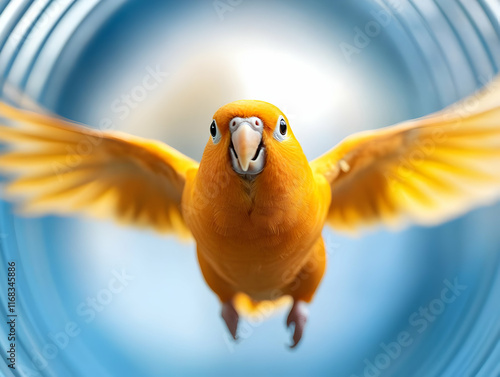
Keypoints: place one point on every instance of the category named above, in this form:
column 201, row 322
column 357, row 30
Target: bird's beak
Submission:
column 246, row 141
column 247, row 150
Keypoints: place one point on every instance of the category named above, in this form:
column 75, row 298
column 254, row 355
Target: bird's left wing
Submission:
column 423, row 171
column 60, row 167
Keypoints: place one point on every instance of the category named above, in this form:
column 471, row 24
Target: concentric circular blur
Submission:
column 95, row 299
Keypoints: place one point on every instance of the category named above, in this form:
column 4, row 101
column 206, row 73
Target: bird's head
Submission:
column 248, row 136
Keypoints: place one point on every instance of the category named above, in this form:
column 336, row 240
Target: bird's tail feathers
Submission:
column 259, row 310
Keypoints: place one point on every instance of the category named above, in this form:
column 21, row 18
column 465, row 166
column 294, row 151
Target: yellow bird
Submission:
column 254, row 205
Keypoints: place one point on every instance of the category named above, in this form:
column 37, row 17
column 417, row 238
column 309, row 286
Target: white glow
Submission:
column 304, row 87
column 295, row 69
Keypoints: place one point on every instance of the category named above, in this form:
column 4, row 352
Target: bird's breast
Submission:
column 256, row 243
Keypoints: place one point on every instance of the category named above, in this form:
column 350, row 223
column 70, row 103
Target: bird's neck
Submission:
column 271, row 203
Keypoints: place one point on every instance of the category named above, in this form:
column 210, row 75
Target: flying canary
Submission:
column 254, row 205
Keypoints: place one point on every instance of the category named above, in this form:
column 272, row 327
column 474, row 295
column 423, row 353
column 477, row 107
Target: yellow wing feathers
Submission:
column 423, row 171
column 60, row 167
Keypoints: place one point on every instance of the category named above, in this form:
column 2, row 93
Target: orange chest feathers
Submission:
column 254, row 232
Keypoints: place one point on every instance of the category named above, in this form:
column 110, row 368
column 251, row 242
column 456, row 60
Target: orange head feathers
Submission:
column 249, row 136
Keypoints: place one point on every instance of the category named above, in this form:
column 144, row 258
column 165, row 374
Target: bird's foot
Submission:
column 298, row 316
column 231, row 318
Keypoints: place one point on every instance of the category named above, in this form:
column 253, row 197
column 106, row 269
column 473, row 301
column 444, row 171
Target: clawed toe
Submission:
column 298, row 317
column 231, row 317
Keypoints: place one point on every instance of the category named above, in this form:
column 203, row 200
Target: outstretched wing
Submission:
column 59, row 167
column 423, row 171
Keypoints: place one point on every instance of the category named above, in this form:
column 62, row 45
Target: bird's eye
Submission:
column 281, row 131
column 282, row 127
column 214, row 132
column 213, row 129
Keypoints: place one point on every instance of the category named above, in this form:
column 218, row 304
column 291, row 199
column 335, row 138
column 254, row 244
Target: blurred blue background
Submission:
column 160, row 69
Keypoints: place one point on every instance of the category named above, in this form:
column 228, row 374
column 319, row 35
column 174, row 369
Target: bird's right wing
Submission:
column 58, row 167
